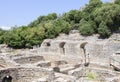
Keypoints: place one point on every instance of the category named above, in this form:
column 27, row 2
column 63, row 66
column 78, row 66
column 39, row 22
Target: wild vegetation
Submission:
column 96, row 17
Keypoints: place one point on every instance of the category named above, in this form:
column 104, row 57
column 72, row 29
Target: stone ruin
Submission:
column 67, row 58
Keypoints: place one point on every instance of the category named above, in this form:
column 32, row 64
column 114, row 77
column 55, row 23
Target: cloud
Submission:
column 5, row 27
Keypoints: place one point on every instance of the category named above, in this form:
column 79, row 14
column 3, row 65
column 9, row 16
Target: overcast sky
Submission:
column 22, row 12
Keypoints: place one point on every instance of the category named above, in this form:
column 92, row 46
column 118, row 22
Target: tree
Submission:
column 88, row 11
column 93, row 4
column 41, row 19
column 117, row 2
column 62, row 26
column 86, row 28
column 73, row 16
column 2, row 32
column 103, row 30
column 109, row 13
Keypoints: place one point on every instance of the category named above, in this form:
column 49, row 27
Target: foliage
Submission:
column 86, row 27
column 2, row 32
column 109, row 13
column 96, row 17
column 74, row 16
column 41, row 19
column 117, row 2
column 103, row 30
column 93, row 4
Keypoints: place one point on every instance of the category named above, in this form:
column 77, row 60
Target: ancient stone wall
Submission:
column 102, row 52
column 29, row 59
column 9, row 72
column 29, row 74
column 2, row 62
column 69, row 47
column 26, row 74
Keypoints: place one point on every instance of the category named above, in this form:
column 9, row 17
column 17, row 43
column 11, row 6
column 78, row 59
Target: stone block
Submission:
column 44, row 64
column 79, row 72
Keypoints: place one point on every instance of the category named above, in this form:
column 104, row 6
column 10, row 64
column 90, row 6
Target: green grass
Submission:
column 92, row 76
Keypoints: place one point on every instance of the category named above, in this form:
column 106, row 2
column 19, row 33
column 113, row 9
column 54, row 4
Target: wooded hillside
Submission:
column 96, row 17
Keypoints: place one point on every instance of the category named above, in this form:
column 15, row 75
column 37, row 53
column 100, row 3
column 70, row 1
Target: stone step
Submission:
column 43, row 64
column 83, row 79
column 102, row 66
column 79, row 72
column 65, row 70
column 59, row 77
column 41, row 80
column 113, row 79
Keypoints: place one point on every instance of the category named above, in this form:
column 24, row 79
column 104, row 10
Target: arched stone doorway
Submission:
column 48, row 44
column 7, row 79
column 61, row 45
column 85, row 55
column 56, row 69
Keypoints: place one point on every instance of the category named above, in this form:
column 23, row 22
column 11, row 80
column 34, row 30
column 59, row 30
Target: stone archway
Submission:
column 7, row 79
column 56, row 69
column 61, row 45
column 84, row 53
column 48, row 44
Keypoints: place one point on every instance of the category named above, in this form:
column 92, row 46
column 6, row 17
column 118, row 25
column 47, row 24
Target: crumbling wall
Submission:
column 26, row 74
column 99, row 51
column 29, row 59
column 2, row 62
column 68, row 48
column 9, row 72
column 30, row 74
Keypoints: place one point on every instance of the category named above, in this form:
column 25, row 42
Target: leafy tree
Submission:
column 40, row 19
column 53, row 28
column 109, row 13
column 117, row 2
column 73, row 16
column 2, row 32
column 90, row 8
column 85, row 27
column 103, row 30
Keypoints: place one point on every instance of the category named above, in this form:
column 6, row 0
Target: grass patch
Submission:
column 92, row 76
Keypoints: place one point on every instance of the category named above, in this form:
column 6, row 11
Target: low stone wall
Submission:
column 71, row 59
column 26, row 74
column 30, row 74
column 29, row 59
column 6, row 62
column 2, row 63
column 78, row 73
column 102, row 74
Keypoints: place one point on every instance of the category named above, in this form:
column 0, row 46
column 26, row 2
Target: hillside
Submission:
column 96, row 18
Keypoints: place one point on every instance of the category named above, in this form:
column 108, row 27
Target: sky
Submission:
column 22, row 12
